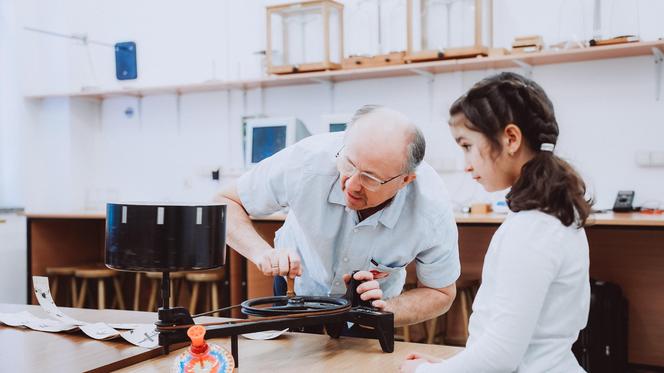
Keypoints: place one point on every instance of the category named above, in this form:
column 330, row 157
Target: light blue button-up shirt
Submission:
column 417, row 225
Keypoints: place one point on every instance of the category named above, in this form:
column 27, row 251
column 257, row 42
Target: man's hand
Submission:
column 280, row 262
column 369, row 289
column 414, row 360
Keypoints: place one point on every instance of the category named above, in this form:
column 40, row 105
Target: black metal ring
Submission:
column 283, row 305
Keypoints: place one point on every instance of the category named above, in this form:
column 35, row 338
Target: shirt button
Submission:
column 337, row 283
column 345, row 259
column 355, row 230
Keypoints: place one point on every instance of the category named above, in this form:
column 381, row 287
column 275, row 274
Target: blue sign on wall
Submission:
column 125, row 60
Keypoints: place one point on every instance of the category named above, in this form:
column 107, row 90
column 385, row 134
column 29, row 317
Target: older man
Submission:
column 357, row 201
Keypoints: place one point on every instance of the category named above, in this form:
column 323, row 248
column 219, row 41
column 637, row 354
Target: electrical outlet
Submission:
column 656, row 159
column 650, row 158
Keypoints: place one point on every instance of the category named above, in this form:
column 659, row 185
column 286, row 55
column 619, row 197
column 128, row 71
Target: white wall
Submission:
column 84, row 152
column 9, row 156
column 13, row 268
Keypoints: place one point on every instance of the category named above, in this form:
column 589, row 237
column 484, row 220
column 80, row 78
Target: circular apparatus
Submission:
column 162, row 237
column 283, row 305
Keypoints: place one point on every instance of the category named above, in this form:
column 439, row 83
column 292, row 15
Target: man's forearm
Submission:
column 243, row 238
column 419, row 304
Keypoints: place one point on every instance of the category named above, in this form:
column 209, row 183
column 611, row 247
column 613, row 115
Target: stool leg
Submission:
column 431, row 329
column 101, row 294
column 215, row 298
column 137, row 288
column 153, row 295
column 54, row 289
column 194, row 298
column 208, row 299
column 82, row 293
column 176, row 295
column 406, row 333
column 118, row 293
column 171, row 300
column 74, row 291
column 464, row 312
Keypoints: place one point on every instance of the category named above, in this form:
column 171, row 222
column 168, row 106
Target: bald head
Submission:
column 384, row 130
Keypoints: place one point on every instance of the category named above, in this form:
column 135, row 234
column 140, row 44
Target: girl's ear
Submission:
column 513, row 138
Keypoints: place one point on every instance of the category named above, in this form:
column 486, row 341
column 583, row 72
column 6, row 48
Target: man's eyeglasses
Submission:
column 368, row 181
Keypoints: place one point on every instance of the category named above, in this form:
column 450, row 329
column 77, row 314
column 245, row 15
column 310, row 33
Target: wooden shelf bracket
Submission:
column 423, row 73
column 325, row 82
column 659, row 62
column 527, row 68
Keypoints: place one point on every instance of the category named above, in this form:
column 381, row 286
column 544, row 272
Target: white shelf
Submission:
column 547, row 57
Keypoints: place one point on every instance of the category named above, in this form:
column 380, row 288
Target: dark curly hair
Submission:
column 547, row 183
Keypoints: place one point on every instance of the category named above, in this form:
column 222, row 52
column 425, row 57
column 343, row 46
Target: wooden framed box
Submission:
column 304, row 36
column 356, row 62
column 448, row 29
column 527, row 44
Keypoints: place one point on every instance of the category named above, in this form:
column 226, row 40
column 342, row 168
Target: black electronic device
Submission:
column 603, row 344
column 125, row 61
column 624, row 201
column 166, row 238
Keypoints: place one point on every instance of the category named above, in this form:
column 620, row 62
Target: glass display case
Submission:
column 304, row 36
column 615, row 22
column 376, row 34
column 440, row 29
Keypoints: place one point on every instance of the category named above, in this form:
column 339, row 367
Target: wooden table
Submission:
column 25, row 350
column 313, row 353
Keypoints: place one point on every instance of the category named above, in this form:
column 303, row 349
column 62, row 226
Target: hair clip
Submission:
column 547, row 147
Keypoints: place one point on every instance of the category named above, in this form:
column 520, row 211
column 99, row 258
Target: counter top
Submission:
column 600, row 219
column 66, row 215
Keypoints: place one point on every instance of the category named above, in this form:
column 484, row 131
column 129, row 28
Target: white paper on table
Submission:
column 129, row 326
column 48, row 325
column 268, row 334
column 99, row 330
column 25, row 318
column 17, row 319
column 43, row 295
column 145, row 336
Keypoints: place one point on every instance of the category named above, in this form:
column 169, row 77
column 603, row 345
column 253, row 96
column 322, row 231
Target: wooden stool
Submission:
column 155, row 280
column 212, row 278
column 406, row 331
column 63, row 273
column 99, row 274
column 456, row 319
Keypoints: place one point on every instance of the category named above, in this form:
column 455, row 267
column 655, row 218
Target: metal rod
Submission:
column 165, row 290
column 234, row 351
column 380, row 28
column 83, row 37
column 659, row 61
column 597, row 19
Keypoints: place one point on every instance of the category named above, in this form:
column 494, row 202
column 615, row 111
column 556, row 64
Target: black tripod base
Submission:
column 381, row 322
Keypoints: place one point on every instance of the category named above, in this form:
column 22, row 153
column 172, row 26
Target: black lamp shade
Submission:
column 160, row 238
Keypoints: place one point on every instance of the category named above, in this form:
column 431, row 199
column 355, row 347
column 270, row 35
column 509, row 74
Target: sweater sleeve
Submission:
column 525, row 266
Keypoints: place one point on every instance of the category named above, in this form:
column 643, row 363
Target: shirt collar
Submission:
column 336, row 195
column 388, row 216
